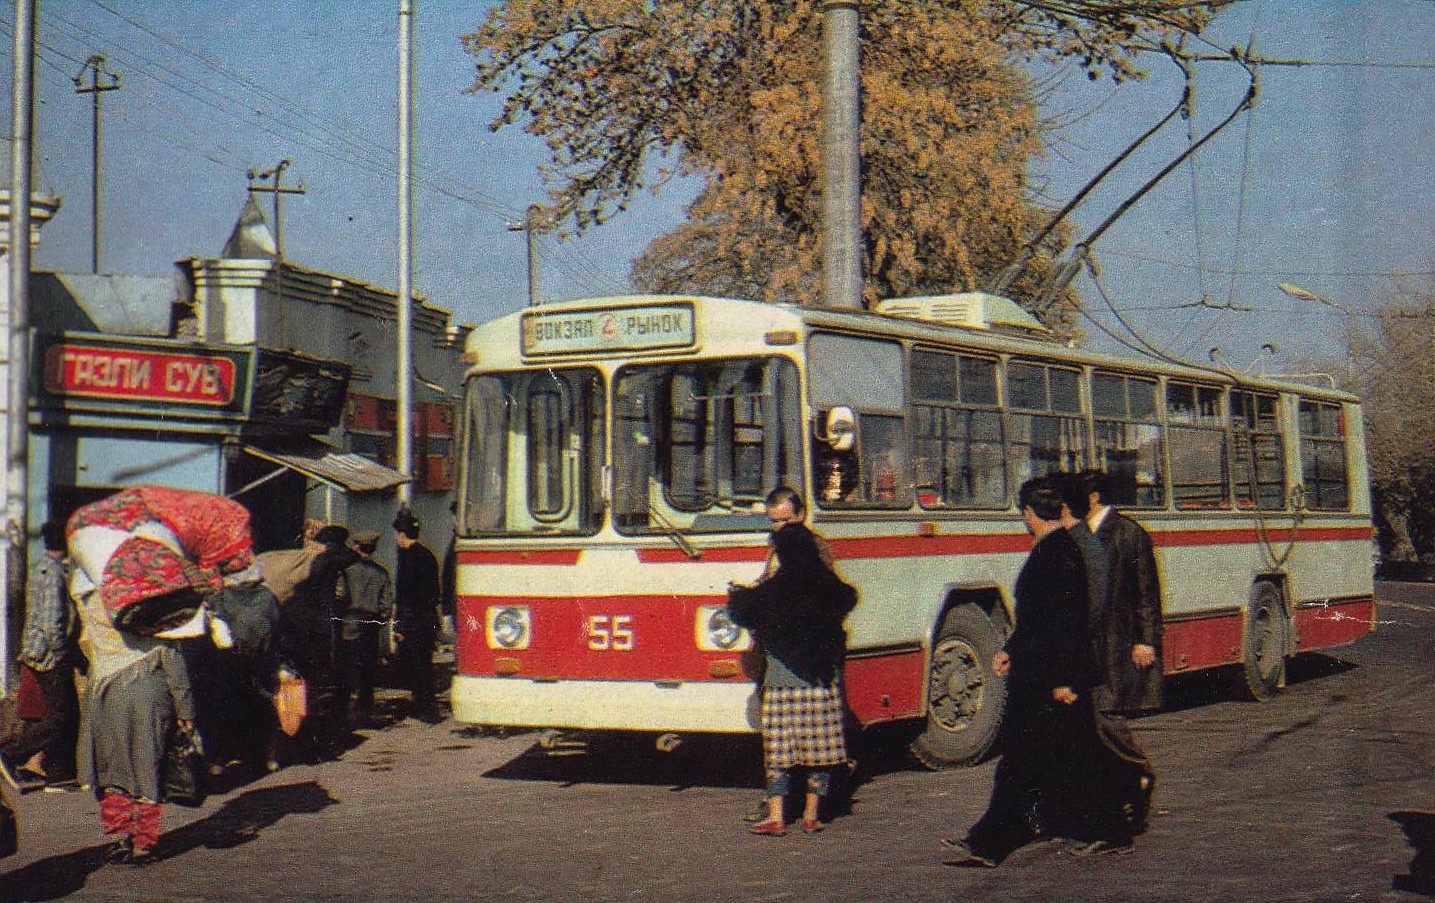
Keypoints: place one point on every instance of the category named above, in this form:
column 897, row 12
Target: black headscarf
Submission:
column 797, row 613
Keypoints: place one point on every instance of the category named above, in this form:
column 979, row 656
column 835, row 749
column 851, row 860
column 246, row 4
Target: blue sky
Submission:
column 1325, row 184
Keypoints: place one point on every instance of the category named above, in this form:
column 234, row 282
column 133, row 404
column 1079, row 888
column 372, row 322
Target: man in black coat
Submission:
column 1050, row 751
column 416, row 598
column 1128, row 630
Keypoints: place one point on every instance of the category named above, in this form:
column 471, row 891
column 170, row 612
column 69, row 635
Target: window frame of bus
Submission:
column 1203, row 425
column 945, row 404
column 785, row 455
column 849, row 376
column 1049, row 409
column 1327, row 418
column 1255, row 418
column 583, row 512
column 1144, row 494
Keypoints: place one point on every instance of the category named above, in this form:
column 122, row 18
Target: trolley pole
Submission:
column 95, row 66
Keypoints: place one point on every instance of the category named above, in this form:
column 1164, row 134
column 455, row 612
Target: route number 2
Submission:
column 607, row 632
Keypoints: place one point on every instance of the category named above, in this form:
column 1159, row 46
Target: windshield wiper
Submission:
column 670, row 530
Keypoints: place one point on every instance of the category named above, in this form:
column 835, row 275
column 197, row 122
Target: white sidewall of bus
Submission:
column 607, row 705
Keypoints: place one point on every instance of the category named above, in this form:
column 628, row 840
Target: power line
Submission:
column 1350, row 274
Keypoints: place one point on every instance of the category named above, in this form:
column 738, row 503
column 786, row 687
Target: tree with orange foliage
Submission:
column 628, row 94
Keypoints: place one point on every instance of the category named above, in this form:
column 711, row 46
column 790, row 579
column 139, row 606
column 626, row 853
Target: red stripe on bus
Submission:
column 519, row 556
column 1201, row 643
column 722, row 554
column 647, row 637
column 885, row 687
column 1326, row 626
column 919, row 546
column 1246, row 536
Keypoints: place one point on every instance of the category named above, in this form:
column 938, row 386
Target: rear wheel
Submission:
column 965, row 697
column 1263, row 669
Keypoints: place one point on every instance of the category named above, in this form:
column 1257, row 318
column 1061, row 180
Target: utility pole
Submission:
column 842, row 244
column 16, row 370
column 404, row 369
column 278, row 189
column 530, row 222
column 95, row 66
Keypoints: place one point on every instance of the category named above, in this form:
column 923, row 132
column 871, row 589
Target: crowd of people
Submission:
column 155, row 596
column 1084, row 654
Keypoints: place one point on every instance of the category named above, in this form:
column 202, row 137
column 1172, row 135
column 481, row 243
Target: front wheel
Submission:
column 1263, row 667
column 965, row 698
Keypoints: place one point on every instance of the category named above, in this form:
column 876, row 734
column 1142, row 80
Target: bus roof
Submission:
column 749, row 321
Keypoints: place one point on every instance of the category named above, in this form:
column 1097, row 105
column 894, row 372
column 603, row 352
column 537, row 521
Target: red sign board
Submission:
column 131, row 374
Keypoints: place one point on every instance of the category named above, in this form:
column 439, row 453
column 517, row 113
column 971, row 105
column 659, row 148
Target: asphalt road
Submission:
column 1323, row 794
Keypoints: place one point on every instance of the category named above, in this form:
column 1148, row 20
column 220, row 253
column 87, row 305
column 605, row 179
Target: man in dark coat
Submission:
column 416, row 598
column 1128, row 630
column 369, row 590
column 1049, row 744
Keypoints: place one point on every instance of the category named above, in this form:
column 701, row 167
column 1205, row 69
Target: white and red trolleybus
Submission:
column 614, row 452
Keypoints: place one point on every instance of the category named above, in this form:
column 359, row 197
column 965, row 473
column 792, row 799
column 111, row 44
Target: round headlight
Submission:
column 509, row 627
column 723, row 632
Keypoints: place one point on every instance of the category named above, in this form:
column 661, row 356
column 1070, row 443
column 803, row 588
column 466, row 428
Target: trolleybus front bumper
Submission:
column 617, row 705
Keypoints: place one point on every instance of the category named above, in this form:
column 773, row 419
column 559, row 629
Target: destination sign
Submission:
column 625, row 329
column 132, row 374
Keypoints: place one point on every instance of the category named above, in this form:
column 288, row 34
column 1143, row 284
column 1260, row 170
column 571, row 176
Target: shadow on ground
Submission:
column 237, row 822
column 1201, row 688
column 1419, row 828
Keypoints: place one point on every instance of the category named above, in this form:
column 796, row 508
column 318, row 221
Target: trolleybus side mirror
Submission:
column 838, row 429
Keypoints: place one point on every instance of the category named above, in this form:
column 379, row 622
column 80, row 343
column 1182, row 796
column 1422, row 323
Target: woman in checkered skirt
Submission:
column 796, row 614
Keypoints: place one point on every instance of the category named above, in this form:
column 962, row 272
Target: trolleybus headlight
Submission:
column 717, row 633
column 509, row 627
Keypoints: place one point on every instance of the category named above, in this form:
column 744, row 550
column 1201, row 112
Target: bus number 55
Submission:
column 610, row 632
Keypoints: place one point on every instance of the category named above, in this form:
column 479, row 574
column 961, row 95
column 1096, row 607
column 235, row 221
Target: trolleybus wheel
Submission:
column 1263, row 666
column 965, row 697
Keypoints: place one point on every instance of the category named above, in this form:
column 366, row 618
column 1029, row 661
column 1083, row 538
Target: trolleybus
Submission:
column 615, row 453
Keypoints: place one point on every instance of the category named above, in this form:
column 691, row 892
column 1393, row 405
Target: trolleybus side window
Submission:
column 537, row 438
column 1127, row 430
column 1258, row 455
column 1196, row 435
column 860, row 438
column 957, row 432
column 1322, row 456
column 697, row 445
column 1047, row 428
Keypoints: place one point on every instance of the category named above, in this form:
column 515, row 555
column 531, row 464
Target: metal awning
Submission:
column 325, row 463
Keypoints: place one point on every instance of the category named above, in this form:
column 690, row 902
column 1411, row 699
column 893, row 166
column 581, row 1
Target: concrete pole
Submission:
column 842, row 244
column 95, row 65
column 17, row 368
column 404, row 369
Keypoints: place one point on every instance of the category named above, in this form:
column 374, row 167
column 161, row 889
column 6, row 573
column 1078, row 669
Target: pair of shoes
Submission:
column 143, row 857
column 118, row 851
column 812, row 826
column 770, row 828
column 1103, row 848
column 964, row 857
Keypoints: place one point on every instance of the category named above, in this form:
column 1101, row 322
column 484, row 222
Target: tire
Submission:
column 1263, row 667
column 965, row 698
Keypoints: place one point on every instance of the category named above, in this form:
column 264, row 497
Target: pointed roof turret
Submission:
column 251, row 238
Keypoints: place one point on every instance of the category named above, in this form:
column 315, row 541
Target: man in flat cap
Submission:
column 416, row 596
column 369, row 590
